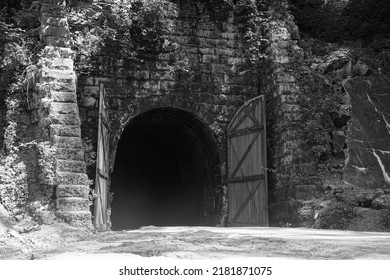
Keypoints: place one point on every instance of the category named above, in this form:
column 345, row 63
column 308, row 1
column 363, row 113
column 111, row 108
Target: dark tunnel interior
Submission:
column 164, row 172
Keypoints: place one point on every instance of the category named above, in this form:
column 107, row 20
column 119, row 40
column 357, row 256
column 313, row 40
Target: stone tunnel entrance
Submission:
column 166, row 172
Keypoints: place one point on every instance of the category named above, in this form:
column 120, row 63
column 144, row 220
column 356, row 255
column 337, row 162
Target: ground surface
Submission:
column 216, row 243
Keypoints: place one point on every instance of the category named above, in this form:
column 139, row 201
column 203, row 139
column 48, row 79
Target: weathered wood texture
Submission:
column 247, row 162
column 102, row 166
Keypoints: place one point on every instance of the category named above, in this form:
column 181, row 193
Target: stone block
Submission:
column 59, row 96
column 60, row 76
column 205, row 33
column 72, row 204
column 49, row 10
column 58, row 52
column 65, row 130
column 228, row 27
column 305, row 192
column 289, row 108
column 207, row 42
column 69, row 119
column 290, row 98
column 277, row 51
column 280, row 34
column 89, row 102
column 54, row 31
column 167, row 85
column 64, row 87
column 218, row 68
column 290, row 146
column 70, row 178
column 287, row 88
column 282, row 59
column 305, row 213
column 222, row 44
column 206, row 51
column 233, row 44
column 72, row 191
column 287, row 159
column 91, row 91
column 160, row 65
column 63, row 42
column 102, row 80
column 225, row 52
column 89, row 81
column 55, row 2
column 76, row 218
column 53, row 21
column 292, row 116
column 283, row 77
column 71, row 166
column 142, row 75
column 230, row 35
column 300, row 169
column 69, row 154
column 64, row 108
column 61, row 63
column 67, row 142
column 164, row 75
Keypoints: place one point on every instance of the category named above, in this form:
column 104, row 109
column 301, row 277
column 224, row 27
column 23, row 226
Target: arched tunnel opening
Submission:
column 166, row 172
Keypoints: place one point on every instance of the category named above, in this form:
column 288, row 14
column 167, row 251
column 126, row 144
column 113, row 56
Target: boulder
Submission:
column 370, row 220
column 88, row 102
column 335, row 65
column 362, row 198
column 381, row 202
column 344, row 72
column 5, row 220
column 361, row 69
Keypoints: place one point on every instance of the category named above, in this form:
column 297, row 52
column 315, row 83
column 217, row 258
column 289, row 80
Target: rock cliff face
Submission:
column 343, row 101
column 368, row 137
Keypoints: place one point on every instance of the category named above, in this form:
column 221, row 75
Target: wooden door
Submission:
column 247, row 163
column 102, row 166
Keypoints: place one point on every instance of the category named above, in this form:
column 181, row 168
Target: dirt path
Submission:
column 216, row 243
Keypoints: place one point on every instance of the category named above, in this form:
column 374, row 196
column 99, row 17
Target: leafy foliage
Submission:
column 318, row 103
column 367, row 19
column 19, row 48
column 339, row 20
column 136, row 30
column 19, row 45
column 335, row 215
column 318, row 18
column 249, row 16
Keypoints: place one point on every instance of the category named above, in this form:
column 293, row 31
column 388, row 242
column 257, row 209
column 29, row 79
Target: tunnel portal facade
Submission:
column 168, row 166
column 188, row 110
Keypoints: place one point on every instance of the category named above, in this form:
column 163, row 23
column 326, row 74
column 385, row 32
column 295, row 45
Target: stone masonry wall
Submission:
column 58, row 114
column 213, row 84
column 292, row 172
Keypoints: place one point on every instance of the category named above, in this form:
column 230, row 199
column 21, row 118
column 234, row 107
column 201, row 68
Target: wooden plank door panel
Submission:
column 247, row 176
column 102, row 166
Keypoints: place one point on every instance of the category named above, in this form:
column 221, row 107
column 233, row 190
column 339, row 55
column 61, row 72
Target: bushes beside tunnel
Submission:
column 338, row 20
